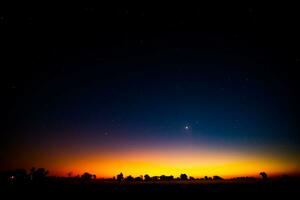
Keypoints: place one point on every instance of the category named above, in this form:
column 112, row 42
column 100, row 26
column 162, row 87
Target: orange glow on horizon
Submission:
column 193, row 162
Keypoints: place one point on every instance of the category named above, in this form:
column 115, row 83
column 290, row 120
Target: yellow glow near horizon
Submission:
column 195, row 163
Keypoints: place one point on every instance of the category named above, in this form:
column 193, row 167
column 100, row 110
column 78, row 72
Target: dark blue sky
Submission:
column 217, row 102
column 228, row 75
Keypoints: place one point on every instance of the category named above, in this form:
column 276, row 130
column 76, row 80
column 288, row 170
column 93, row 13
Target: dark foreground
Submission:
column 232, row 189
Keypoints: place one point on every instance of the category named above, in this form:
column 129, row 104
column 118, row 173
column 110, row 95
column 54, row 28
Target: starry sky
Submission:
column 200, row 90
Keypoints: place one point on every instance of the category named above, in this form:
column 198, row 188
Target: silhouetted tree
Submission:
column 129, row 178
column 217, row 178
column 154, row 178
column 183, row 177
column 192, row 178
column 243, row 178
column 207, row 178
column 138, row 178
column 120, row 177
column 86, row 176
column 147, row 177
column 39, row 174
column 162, row 178
column 263, row 175
column 166, row 178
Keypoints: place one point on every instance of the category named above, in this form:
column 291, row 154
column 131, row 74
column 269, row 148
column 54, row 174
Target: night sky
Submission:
column 202, row 90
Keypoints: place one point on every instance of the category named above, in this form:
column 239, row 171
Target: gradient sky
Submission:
column 186, row 98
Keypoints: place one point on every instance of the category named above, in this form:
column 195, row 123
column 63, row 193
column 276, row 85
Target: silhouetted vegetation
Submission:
column 166, row 178
column 138, row 178
column 243, row 178
column 38, row 175
column 120, row 177
column 129, row 178
column 263, row 175
column 21, row 175
column 147, row 177
column 183, row 177
column 88, row 184
column 206, row 178
column 217, row 178
column 87, row 176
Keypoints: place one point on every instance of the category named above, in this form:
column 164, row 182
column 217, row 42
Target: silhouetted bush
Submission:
column 243, row 178
column 147, row 177
column 217, row 178
column 166, row 178
column 263, row 175
column 120, row 177
column 138, row 179
column 38, row 175
column 207, row 178
column 86, row 176
column 129, row 178
column 162, row 178
column 183, row 177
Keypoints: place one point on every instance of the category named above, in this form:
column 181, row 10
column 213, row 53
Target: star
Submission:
column 187, row 128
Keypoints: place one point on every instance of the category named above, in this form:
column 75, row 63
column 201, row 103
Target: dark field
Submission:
column 100, row 188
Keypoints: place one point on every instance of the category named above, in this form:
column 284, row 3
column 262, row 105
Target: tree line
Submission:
column 40, row 174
